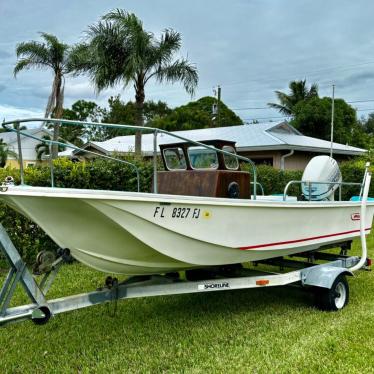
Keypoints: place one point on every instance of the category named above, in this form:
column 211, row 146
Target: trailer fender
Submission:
column 322, row 276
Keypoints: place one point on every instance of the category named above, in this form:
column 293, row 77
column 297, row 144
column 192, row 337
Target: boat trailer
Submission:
column 327, row 280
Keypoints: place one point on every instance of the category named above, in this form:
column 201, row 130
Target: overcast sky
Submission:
column 250, row 47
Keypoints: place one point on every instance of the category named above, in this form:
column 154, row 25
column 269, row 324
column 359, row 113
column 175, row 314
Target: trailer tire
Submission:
column 334, row 298
column 47, row 315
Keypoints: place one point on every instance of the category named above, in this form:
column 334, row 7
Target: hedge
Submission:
column 99, row 174
column 111, row 175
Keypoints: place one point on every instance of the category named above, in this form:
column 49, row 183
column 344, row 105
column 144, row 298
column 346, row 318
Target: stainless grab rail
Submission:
column 50, row 142
column 156, row 131
column 261, row 187
column 310, row 183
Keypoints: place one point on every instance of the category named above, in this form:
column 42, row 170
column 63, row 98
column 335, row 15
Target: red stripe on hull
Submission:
column 300, row 240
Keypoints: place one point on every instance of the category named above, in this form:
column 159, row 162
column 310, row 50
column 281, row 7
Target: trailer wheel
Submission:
column 43, row 310
column 334, row 298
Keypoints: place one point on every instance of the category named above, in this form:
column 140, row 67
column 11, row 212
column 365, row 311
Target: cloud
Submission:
column 250, row 48
column 357, row 79
column 10, row 113
column 4, row 54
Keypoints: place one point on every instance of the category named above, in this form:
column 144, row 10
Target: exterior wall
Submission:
column 271, row 158
column 28, row 146
column 297, row 161
column 28, row 151
column 14, row 164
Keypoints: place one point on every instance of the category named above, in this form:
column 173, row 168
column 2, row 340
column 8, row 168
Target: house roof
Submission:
column 10, row 137
column 262, row 136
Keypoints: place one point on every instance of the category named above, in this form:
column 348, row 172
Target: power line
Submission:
column 271, row 117
column 268, row 107
column 346, row 67
column 287, row 117
column 360, row 101
column 251, row 108
column 364, row 110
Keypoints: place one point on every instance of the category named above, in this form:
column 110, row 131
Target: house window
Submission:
column 263, row 161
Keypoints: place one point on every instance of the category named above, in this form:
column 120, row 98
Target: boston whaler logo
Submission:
column 355, row 216
column 210, row 286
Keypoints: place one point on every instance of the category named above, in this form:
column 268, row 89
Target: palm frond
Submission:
column 5, row 151
column 313, row 91
column 32, row 48
column 127, row 20
column 298, row 92
column 108, row 51
column 57, row 49
column 162, row 51
column 281, row 108
column 51, row 40
column 182, row 71
column 80, row 59
column 43, row 148
column 31, row 55
column 23, row 64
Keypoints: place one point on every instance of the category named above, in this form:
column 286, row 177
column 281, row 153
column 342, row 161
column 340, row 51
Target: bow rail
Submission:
column 16, row 128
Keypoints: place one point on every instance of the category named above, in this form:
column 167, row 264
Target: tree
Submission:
column 298, row 92
column 126, row 113
column 313, row 118
column 119, row 50
column 4, row 153
column 3, row 129
column 43, row 148
column 85, row 111
column 367, row 126
column 50, row 54
column 196, row 115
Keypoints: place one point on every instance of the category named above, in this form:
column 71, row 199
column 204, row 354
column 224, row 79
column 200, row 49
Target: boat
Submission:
column 203, row 215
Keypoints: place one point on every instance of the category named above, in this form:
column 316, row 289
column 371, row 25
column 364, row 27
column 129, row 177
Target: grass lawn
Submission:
column 264, row 330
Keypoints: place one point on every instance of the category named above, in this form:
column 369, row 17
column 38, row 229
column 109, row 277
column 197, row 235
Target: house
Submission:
column 276, row 144
column 29, row 153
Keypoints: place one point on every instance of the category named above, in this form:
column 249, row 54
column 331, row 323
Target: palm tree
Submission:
column 50, row 54
column 119, row 50
column 298, row 92
column 43, row 148
column 4, row 153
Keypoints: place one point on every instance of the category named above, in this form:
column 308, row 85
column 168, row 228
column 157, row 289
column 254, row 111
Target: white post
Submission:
column 20, row 157
column 155, row 189
column 332, row 118
column 363, row 224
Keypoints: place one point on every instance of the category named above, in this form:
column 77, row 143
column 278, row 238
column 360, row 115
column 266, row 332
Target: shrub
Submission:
column 353, row 171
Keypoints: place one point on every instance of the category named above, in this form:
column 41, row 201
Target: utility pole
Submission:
column 218, row 106
column 332, row 118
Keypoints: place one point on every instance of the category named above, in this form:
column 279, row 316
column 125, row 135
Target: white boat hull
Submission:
column 135, row 233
